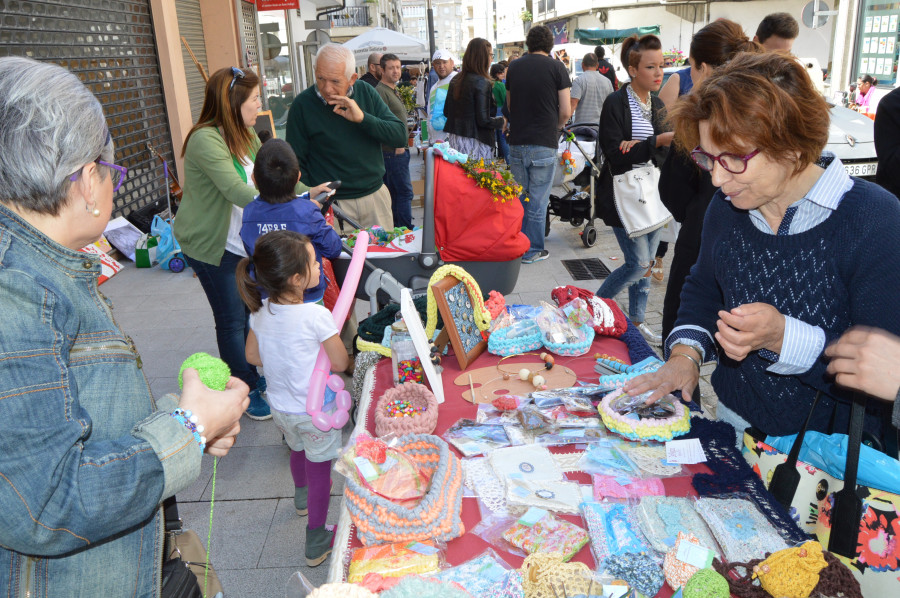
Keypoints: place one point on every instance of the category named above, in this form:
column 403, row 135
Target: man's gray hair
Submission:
column 50, row 126
column 338, row 53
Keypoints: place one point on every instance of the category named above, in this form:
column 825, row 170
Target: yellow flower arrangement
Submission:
column 493, row 177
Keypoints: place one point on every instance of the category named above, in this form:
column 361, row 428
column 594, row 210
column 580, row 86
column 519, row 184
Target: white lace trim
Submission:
column 650, row 459
column 562, row 497
column 481, row 480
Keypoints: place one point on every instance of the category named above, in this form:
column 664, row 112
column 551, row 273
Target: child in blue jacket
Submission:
column 275, row 173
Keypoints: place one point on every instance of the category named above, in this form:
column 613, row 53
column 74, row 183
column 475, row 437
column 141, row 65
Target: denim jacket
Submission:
column 86, row 456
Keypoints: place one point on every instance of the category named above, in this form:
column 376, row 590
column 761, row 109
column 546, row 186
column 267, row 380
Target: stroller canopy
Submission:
column 469, row 225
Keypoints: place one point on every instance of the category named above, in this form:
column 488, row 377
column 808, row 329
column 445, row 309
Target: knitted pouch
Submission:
column 420, row 398
column 437, row 516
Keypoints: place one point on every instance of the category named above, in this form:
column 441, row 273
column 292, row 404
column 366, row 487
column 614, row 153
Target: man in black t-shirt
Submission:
column 606, row 68
column 539, row 105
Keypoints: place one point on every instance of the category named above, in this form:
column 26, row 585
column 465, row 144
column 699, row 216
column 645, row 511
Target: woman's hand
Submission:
column 626, row 145
column 679, row 373
column 750, row 327
column 218, row 411
column 867, row 359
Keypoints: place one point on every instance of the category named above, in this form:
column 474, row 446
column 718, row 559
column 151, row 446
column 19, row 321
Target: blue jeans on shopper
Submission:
column 396, row 178
column 229, row 312
column 639, row 254
column 533, row 167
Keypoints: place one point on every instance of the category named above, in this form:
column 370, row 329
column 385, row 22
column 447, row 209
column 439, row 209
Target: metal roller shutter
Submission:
column 248, row 33
column 111, row 47
column 190, row 25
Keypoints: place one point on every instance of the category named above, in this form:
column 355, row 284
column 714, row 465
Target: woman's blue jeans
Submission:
column 639, row 254
column 229, row 312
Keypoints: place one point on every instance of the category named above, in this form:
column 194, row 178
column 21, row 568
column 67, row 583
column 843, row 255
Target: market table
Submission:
column 378, row 380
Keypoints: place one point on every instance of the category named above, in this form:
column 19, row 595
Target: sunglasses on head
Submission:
column 236, row 74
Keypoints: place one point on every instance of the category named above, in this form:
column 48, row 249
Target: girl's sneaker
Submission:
column 319, row 542
column 258, row 409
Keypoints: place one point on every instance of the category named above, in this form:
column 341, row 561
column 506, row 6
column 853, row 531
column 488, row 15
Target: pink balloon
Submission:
column 344, row 401
column 320, row 375
column 335, row 383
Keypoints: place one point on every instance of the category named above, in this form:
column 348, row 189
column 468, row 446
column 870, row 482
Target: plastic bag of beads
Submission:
column 567, row 436
column 641, row 571
column 396, row 560
column 472, row 438
column 382, row 469
column 559, row 335
column 491, row 529
column 540, row 531
column 576, row 399
column 477, row 575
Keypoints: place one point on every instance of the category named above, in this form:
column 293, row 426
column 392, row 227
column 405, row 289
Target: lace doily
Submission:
column 481, row 480
column 663, row 517
column 567, row 462
column 742, row 531
column 562, row 497
column 651, row 459
column 544, row 575
column 528, row 462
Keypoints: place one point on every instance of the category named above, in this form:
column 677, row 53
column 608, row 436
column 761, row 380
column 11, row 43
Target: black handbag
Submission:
column 178, row 580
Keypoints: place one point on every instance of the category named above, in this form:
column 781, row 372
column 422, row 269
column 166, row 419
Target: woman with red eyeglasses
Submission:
column 793, row 253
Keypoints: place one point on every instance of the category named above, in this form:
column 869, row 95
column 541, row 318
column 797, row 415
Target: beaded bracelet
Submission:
column 190, row 421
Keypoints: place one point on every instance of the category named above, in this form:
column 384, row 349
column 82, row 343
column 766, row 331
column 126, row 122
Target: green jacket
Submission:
column 330, row 147
column 395, row 104
column 213, row 182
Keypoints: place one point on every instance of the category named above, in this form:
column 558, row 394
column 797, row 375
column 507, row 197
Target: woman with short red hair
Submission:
column 793, row 252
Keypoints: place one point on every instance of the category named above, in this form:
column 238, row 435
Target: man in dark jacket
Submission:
column 373, row 69
column 605, row 68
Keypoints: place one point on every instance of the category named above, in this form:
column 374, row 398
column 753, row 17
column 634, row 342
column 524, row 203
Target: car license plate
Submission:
column 864, row 169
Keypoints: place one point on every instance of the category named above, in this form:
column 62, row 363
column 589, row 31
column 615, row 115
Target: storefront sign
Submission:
column 876, row 47
column 560, row 31
column 262, row 5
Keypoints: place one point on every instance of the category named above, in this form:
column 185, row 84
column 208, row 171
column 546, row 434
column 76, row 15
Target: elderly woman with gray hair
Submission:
column 86, row 454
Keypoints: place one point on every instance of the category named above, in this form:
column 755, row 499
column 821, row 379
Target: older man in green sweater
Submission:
column 337, row 128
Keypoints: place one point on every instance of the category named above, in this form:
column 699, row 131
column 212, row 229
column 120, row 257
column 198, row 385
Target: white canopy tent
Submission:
column 385, row 40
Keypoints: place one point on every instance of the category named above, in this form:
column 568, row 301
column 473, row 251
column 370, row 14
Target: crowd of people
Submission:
column 778, row 275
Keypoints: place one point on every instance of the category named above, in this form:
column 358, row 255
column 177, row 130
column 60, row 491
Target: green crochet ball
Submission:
column 706, row 583
column 214, row 372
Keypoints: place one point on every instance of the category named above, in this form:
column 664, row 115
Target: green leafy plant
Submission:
column 407, row 95
column 526, row 15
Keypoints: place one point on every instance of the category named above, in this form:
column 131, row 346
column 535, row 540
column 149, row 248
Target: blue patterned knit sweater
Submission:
column 843, row 272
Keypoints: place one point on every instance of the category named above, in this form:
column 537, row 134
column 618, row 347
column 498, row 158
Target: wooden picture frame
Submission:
column 454, row 302
column 265, row 122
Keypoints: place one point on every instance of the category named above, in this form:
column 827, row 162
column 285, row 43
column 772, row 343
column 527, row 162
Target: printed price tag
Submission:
column 422, row 548
column 695, row 555
column 366, row 469
column 532, row 516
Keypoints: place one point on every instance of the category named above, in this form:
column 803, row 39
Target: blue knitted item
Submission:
column 839, row 273
column 638, row 349
column 731, row 474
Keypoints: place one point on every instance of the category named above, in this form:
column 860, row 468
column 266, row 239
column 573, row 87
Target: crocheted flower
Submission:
column 878, row 537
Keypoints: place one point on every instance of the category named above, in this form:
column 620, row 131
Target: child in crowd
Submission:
column 275, row 173
column 285, row 335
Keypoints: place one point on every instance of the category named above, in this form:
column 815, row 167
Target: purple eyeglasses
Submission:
column 115, row 171
column 731, row 162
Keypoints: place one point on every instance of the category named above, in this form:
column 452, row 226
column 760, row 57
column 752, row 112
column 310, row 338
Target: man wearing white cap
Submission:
column 442, row 64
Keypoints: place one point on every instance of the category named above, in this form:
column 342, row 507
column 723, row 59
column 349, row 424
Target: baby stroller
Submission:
column 486, row 242
column 572, row 195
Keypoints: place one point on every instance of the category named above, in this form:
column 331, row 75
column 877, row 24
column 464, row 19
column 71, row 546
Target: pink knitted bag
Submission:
column 418, row 396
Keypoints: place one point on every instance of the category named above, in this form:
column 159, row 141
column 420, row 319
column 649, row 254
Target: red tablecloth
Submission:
column 455, row 407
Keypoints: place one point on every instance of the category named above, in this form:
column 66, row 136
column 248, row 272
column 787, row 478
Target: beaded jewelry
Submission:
column 527, row 375
column 190, row 421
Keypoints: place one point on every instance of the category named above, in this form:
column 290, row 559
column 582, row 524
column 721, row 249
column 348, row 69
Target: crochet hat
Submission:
column 793, row 572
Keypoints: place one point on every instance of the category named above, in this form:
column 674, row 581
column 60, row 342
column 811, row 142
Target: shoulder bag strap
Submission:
column 785, row 477
column 847, row 509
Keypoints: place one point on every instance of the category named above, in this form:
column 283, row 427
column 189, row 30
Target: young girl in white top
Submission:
column 285, row 336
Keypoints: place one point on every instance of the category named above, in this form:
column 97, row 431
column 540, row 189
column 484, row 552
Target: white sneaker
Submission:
column 651, row 337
